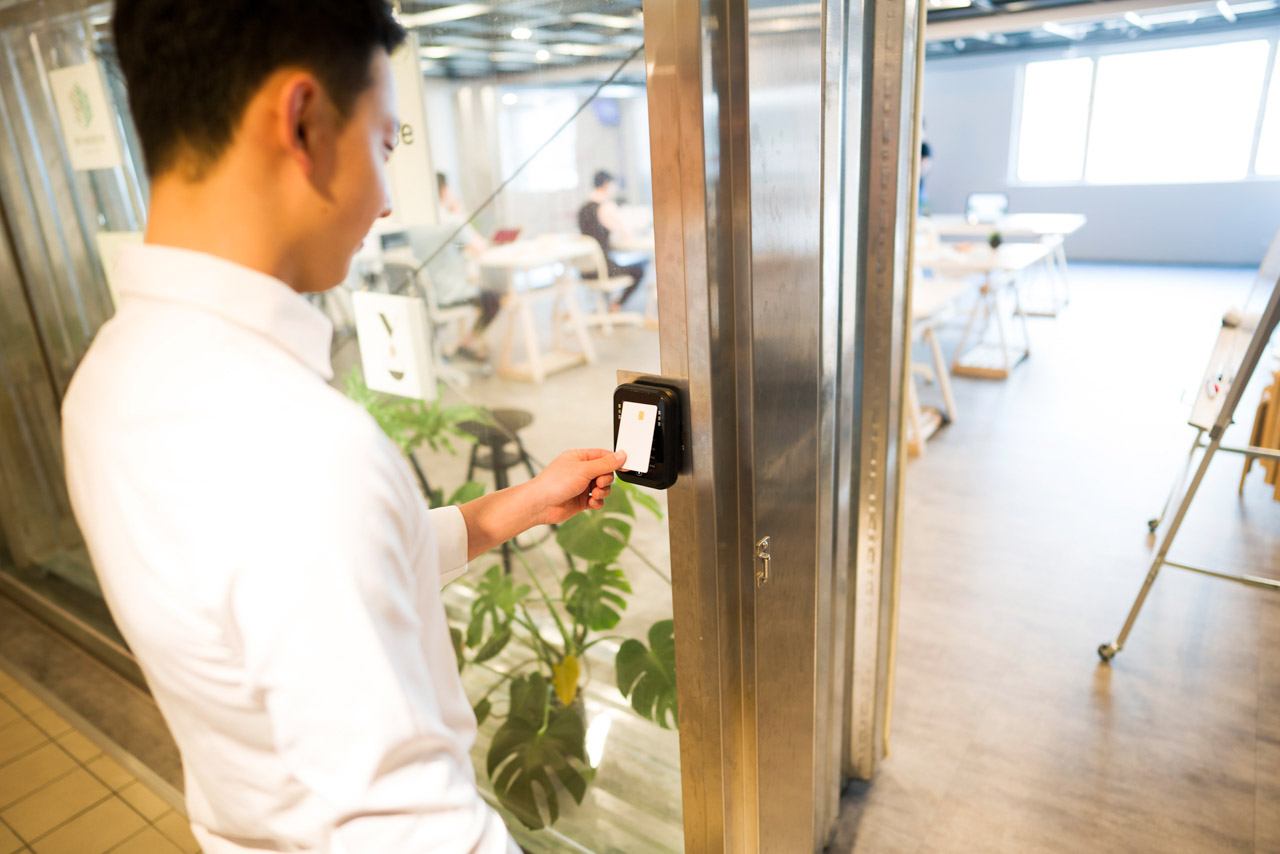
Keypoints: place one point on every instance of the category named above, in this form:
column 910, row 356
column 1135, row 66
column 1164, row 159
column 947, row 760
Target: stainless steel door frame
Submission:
column 892, row 40
column 761, row 133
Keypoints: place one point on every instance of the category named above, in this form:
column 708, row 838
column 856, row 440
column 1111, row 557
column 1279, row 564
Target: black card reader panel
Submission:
column 667, row 456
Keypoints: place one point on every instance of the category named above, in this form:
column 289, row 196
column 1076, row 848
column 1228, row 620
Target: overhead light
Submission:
column 1061, row 31
column 542, row 55
column 1256, row 6
column 1136, row 19
column 510, row 99
column 522, row 33
column 617, row 22
column 959, row 43
column 443, row 15
column 1224, row 8
column 950, row 4
column 1187, row 16
column 440, row 51
column 570, row 49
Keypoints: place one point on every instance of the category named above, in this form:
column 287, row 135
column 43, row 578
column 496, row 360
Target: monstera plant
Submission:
column 538, row 751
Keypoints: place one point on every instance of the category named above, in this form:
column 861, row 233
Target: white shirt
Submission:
column 266, row 552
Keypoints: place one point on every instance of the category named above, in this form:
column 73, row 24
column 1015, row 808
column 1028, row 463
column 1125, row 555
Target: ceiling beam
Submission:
column 1034, row 19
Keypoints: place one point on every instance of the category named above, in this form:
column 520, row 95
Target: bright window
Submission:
column 1269, row 143
column 1176, row 115
column 1055, row 120
column 528, row 120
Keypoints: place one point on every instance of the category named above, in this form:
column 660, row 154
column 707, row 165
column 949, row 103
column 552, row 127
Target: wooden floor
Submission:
column 1026, row 543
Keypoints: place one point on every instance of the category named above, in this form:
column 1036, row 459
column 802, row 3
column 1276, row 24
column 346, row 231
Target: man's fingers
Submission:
column 602, row 463
column 604, row 481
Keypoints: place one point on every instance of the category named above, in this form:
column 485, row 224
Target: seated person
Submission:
column 471, row 244
column 599, row 218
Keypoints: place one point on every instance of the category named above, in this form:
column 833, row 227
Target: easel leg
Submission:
column 1107, row 651
column 1153, row 524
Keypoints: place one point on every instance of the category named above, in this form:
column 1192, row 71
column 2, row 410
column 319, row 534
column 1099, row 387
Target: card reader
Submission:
column 646, row 412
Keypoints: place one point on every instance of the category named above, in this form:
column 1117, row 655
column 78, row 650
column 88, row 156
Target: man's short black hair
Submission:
column 192, row 66
column 601, row 178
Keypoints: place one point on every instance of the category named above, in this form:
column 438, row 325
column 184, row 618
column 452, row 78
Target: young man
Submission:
column 261, row 544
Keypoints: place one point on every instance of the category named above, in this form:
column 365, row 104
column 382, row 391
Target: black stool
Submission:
column 490, row 452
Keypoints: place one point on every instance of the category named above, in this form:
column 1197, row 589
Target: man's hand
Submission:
column 574, row 481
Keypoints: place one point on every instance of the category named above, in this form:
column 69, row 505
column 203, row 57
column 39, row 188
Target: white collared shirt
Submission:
column 266, row 553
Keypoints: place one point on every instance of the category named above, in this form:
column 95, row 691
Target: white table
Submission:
column 1000, row 269
column 1049, row 228
column 527, row 256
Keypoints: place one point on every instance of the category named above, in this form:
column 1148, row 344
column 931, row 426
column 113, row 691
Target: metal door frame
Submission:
column 742, row 789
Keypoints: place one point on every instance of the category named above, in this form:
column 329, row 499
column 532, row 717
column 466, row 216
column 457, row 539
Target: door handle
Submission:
column 762, row 553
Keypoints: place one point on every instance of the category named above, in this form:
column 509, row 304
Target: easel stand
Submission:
column 1270, row 273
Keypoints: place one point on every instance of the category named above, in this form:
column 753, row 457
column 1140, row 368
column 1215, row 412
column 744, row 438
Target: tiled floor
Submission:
column 61, row 794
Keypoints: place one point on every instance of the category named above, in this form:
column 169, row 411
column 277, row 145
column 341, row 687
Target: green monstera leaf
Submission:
column 455, row 634
column 538, row 740
column 469, row 491
column 497, row 597
column 632, row 494
column 595, row 536
column 594, row 598
column 647, row 675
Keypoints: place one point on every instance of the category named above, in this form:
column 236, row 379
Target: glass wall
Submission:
column 524, row 232
column 53, row 294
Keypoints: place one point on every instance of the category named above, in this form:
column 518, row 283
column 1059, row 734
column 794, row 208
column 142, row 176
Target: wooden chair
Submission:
column 593, row 267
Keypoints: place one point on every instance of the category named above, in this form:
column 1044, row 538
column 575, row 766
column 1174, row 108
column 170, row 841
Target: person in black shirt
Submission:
column 599, row 218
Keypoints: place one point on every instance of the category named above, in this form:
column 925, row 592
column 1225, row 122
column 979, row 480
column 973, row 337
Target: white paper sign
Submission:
column 635, row 434
column 410, row 172
column 395, row 344
column 109, row 243
column 88, row 123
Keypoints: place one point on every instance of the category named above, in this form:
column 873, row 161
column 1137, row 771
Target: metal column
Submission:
column 782, row 187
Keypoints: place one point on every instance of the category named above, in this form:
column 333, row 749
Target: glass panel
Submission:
column 1055, row 117
column 524, row 111
column 539, row 288
column 54, row 297
column 1269, row 141
column 1176, row 115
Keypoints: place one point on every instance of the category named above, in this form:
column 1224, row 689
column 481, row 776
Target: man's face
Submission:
column 358, row 192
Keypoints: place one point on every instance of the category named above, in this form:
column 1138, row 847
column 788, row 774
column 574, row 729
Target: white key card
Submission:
column 635, row 434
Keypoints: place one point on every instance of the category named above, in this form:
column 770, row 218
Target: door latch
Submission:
column 762, row 552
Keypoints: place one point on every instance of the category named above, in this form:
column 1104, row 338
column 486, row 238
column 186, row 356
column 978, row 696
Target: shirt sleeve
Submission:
column 451, row 542
column 353, row 676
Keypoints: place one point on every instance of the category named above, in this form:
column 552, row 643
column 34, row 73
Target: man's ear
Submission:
column 307, row 125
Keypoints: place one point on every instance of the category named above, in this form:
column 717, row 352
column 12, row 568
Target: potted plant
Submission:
column 539, row 748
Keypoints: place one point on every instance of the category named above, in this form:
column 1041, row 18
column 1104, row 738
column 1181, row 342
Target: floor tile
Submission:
column 109, row 771
column 178, row 829
column 22, row 699
column 79, row 746
column 8, row 714
column 9, row 841
column 49, row 721
column 23, row 776
column 42, row 811
column 19, row 738
column 144, row 801
column 149, row 841
column 95, row 832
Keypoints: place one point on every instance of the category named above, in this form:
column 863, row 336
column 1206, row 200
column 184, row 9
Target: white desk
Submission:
column 526, row 256
column 1050, row 228
column 999, row 269
column 1027, row 226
